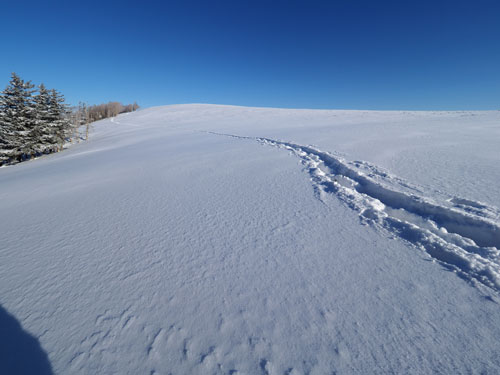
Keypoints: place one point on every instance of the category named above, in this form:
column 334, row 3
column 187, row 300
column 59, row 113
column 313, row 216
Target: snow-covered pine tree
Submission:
column 48, row 141
column 32, row 136
column 59, row 118
column 16, row 120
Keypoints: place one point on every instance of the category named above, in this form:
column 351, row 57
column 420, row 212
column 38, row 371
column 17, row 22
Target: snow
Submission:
column 199, row 239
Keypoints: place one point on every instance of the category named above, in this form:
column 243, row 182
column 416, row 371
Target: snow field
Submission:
column 159, row 248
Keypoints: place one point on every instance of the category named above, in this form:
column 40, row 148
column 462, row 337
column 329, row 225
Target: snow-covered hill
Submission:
column 200, row 239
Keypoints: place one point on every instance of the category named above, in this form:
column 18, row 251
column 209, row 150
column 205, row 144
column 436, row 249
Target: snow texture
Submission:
column 186, row 240
column 448, row 233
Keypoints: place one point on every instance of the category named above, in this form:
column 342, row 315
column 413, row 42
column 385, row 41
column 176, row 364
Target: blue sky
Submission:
column 298, row 54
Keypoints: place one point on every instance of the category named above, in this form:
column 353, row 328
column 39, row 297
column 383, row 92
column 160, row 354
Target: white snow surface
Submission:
column 209, row 239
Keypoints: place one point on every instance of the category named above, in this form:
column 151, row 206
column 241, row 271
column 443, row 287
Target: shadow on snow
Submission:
column 20, row 352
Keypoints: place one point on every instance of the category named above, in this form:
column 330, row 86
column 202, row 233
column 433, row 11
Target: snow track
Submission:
column 463, row 235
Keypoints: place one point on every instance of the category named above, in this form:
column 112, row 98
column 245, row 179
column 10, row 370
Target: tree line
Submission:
column 36, row 120
column 111, row 109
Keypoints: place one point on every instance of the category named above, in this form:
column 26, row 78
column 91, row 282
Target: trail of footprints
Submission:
column 176, row 348
column 461, row 234
column 106, row 327
column 168, row 350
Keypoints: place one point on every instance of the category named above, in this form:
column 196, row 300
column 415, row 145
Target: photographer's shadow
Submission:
column 20, row 352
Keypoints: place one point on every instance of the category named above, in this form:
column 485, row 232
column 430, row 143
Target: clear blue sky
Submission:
column 305, row 54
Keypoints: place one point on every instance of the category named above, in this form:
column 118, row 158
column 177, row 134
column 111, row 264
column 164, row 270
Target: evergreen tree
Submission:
column 44, row 127
column 32, row 139
column 59, row 118
column 16, row 120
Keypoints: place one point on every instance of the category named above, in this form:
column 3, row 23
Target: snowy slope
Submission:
column 199, row 239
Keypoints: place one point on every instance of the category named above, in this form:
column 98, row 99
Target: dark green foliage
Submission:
column 16, row 119
column 35, row 122
column 31, row 125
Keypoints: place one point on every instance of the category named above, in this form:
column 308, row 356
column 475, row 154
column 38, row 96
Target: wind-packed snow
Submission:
column 205, row 239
